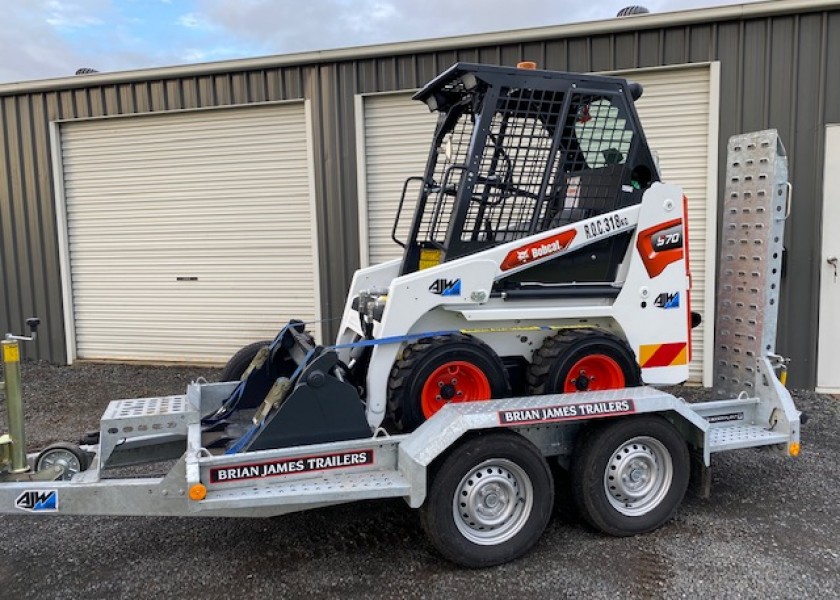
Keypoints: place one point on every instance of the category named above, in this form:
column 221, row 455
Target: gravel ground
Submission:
column 770, row 530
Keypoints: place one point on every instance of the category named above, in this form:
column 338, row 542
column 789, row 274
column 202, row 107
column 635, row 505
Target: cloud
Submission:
column 66, row 15
column 49, row 38
column 195, row 21
column 293, row 26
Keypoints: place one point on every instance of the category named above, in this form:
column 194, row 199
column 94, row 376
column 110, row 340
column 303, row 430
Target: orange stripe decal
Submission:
column 663, row 355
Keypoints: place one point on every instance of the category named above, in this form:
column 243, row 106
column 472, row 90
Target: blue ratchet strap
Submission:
column 394, row 339
column 233, row 400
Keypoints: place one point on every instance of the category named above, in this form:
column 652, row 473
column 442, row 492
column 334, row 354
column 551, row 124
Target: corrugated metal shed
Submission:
column 780, row 67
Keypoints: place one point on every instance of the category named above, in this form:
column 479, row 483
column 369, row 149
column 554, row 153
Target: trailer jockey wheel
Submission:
column 69, row 457
column 580, row 360
column 436, row 371
column 489, row 500
column 629, row 476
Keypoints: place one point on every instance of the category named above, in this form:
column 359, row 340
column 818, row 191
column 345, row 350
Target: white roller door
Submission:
column 396, row 135
column 189, row 234
column 675, row 113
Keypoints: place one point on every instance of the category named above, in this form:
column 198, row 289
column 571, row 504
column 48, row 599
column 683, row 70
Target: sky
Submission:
column 41, row 39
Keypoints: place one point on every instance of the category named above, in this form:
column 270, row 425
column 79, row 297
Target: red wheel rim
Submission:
column 455, row 381
column 594, row 372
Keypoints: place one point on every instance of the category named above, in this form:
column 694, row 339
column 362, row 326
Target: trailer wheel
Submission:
column 69, row 456
column 489, row 500
column 630, row 476
column 578, row 360
column 442, row 369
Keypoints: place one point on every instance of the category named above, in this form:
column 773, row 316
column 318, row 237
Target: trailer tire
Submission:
column 69, row 456
column 239, row 362
column 489, row 501
column 476, row 372
column 576, row 360
column 630, row 476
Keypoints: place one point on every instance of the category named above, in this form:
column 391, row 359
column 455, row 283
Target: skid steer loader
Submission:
column 544, row 256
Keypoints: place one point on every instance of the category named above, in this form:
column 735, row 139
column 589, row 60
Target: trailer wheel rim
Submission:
column 594, row 372
column 638, row 476
column 454, row 381
column 63, row 458
column 493, row 502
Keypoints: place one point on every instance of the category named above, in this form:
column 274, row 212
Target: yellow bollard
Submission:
column 14, row 405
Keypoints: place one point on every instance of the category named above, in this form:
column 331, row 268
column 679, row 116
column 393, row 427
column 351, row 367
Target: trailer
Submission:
column 295, row 432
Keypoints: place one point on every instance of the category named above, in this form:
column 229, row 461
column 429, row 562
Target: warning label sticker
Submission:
column 566, row 412
column 11, row 353
column 290, row 466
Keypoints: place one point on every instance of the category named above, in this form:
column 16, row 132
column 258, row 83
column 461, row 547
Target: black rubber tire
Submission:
column 437, row 515
column 62, row 447
column 420, row 359
column 594, row 450
column 551, row 362
column 239, row 362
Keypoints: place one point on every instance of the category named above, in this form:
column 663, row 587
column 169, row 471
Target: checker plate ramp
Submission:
column 140, row 417
column 734, row 437
column 757, row 195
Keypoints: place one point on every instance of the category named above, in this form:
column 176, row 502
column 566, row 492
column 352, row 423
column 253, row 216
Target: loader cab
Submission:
column 517, row 152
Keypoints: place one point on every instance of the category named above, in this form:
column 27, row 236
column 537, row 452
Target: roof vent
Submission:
column 85, row 71
column 632, row 10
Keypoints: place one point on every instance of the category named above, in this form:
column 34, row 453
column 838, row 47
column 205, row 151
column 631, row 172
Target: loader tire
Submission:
column 237, row 364
column 489, row 500
column 576, row 360
column 630, row 475
column 435, row 371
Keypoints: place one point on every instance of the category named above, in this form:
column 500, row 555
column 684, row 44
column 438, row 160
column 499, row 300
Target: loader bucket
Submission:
column 295, row 396
column 286, row 353
column 314, row 406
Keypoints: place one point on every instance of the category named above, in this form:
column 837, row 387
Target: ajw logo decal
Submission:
column 38, row 501
column 446, row 287
column 668, row 300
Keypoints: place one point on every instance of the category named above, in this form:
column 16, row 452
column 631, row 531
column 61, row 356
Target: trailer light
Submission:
column 198, row 492
column 793, row 449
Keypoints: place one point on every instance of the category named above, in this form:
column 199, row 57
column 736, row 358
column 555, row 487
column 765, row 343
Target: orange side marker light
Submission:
column 198, row 492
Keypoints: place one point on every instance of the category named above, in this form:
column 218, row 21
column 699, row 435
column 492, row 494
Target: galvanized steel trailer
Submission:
column 482, row 473
column 641, row 476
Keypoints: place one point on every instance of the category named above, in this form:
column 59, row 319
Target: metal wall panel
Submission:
column 792, row 86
